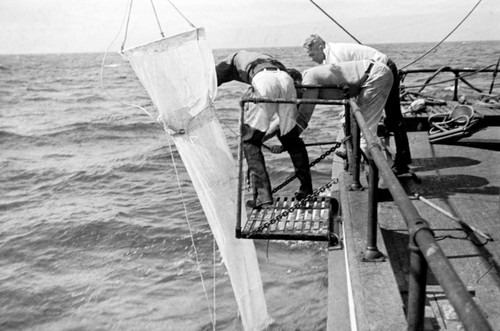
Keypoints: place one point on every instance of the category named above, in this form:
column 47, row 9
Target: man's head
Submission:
column 314, row 46
column 296, row 75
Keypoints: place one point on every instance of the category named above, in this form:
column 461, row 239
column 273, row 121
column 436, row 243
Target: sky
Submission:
column 62, row 26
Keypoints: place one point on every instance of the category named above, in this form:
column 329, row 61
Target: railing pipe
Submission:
column 447, row 69
column 422, row 237
column 416, row 289
column 469, row 313
column 371, row 252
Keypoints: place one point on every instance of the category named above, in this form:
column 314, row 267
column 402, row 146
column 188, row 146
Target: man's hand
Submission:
column 276, row 149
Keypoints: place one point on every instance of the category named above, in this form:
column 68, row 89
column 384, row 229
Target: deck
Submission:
column 463, row 179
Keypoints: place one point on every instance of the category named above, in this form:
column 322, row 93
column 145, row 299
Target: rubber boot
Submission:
column 300, row 159
column 403, row 155
column 395, row 123
column 259, row 178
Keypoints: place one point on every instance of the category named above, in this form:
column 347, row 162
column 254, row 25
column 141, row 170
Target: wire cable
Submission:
column 449, row 34
column 334, row 21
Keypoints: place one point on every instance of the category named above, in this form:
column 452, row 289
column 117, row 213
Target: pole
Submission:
column 459, row 221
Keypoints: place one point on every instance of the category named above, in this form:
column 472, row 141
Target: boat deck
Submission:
column 463, row 180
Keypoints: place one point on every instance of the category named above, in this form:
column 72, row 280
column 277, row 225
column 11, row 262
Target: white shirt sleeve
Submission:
column 344, row 52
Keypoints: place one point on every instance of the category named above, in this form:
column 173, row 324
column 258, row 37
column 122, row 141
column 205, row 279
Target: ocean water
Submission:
column 98, row 216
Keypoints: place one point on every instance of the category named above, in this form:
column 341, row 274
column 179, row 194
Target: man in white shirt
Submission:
column 335, row 53
column 269, row 79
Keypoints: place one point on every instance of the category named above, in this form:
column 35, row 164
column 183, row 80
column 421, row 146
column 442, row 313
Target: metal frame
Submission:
column 424, row 250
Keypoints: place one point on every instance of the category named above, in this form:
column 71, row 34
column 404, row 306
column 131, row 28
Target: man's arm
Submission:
column 273, row 129
column 306, row 110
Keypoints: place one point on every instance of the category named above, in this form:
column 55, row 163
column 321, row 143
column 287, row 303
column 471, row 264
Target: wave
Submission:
column 42, row 89
column 104, row 130
column 91, row 99
column 36, row 99
column 7, row 137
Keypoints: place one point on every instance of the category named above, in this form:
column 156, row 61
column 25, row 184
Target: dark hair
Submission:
column 295, row 74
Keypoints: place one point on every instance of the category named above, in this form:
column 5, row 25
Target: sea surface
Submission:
column 100, row 228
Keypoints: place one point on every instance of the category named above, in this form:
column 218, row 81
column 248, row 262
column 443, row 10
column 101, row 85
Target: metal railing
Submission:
column 460, row 74
column 424, row 250
column 243, row 102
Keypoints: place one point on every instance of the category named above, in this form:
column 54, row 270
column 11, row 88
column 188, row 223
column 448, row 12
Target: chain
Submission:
column 295, row 206
column 312, row 164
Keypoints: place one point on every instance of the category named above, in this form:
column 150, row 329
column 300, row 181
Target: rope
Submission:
column 212, row 314
column 214, row 283
column 104, row 61
column 340, row 26
column 449, row 34
column 157, row 20
column 184, row 17
column 126, row 27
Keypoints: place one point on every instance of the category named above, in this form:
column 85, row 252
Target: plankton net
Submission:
column 178, row 73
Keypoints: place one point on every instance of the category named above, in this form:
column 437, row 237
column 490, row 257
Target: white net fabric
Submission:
column 179, row 75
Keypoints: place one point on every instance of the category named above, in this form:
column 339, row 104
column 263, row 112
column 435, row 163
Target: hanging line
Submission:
column 198, row 265
column 157, row 20
column 449, row 34
column 340, row 26
column 126, row 25
column 184, row 17
column 101, row 79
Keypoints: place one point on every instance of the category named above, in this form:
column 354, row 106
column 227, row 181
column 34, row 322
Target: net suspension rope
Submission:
column 102, row 74
column 157, row 20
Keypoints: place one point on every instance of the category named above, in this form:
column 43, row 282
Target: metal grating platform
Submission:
column 311, row 221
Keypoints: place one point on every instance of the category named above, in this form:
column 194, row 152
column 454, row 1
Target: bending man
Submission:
column 269, row 79
column 331, row 53
column 370, row 82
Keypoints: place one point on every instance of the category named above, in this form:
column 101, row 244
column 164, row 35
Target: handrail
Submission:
column 424, row 250
column 457, row 77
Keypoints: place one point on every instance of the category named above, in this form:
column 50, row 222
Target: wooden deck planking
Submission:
column 462, row 179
